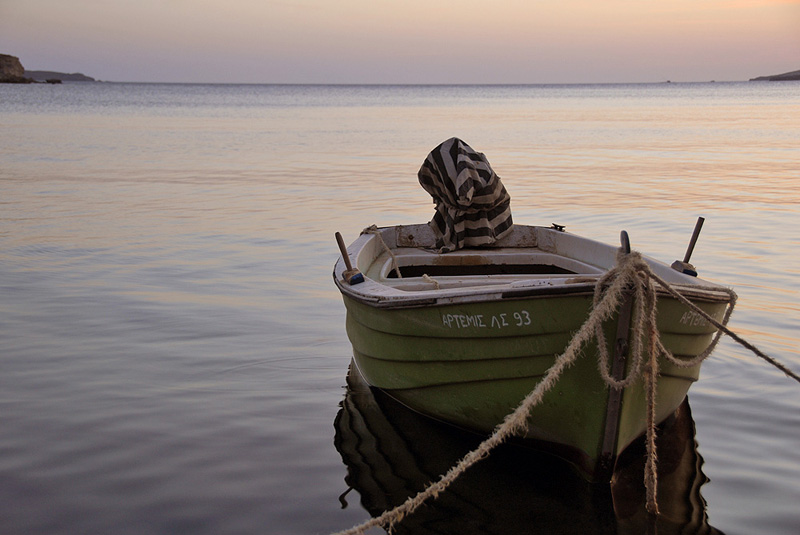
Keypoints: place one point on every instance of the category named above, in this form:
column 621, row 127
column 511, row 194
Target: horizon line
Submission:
column 414, row 84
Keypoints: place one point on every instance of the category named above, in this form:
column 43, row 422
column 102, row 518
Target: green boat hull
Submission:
column 470, row 364
column 392, row 453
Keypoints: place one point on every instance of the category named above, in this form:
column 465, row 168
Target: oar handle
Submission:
column 693, row 241
column 343, row 249
column 625, row 242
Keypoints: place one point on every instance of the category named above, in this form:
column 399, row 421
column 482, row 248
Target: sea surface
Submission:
column 173, row 356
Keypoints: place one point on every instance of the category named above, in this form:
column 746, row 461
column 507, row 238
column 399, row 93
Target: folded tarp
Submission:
column 473, row 208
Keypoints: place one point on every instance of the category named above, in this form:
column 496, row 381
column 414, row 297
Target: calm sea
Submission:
column 172, row 348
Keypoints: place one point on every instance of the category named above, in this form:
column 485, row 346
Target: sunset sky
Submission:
column 413, row 41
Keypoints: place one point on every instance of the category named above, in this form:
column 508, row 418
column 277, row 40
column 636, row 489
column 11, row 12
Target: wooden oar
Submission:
column 685, row 266
column 351, row 276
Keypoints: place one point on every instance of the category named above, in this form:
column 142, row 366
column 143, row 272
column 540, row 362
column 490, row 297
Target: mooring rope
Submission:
column 723, row 329
column 431, row 280
column 631, row 274
column 373, row 229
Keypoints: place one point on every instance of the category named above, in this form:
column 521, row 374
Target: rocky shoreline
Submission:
column 12, row 72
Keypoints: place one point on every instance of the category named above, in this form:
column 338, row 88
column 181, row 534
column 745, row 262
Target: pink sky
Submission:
column 414, row 41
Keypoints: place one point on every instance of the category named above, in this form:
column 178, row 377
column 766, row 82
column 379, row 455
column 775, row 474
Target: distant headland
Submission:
column 12, row 72
column 46, row 76
column 785, row 77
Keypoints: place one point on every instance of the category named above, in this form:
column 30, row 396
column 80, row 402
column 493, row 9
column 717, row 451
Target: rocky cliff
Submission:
column 11, row 70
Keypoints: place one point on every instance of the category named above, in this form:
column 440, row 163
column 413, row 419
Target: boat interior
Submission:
column 400, row 260
column 421, row 269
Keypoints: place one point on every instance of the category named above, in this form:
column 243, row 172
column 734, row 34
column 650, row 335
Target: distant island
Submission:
column 785, row 77
column 12, row 72
column 45, row 76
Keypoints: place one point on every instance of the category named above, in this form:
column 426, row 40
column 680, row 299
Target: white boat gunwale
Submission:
column 412, row 243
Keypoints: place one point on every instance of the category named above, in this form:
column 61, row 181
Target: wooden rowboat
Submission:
column 464, row 336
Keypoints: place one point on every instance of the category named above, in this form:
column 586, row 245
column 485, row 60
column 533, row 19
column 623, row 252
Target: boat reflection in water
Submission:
column 392, row 452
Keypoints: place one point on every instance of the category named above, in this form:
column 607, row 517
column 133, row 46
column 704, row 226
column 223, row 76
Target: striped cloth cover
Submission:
column 472, row 206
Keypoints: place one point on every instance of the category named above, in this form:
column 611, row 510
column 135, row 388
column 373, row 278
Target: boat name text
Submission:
column 483, row 321
column 693, row 319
